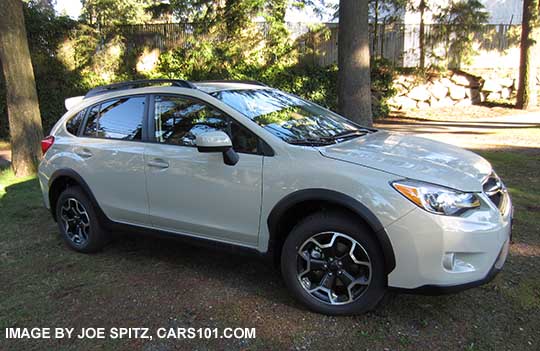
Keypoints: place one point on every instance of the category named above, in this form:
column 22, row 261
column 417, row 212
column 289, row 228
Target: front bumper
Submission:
column 442, row 254
column 451, row 289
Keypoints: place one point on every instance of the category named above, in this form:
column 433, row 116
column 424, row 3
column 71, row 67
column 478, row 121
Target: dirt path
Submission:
column 512, row 131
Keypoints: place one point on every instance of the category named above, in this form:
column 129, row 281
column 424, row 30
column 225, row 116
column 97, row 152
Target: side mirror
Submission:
column 217, row 142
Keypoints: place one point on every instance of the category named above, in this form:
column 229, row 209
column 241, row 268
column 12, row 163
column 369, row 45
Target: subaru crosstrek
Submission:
column 346, row 211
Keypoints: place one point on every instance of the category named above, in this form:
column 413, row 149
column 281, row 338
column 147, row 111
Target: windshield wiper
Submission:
column 311, row 142
column 350, row 134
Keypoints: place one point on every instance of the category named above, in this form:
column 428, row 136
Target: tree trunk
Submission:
column 354, row 82
column 422, row 33
column 527, row 97
column 375, row 29
column 21, row 97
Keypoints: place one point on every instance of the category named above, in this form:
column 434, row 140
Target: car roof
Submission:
column 213, row 86
column 159, row 85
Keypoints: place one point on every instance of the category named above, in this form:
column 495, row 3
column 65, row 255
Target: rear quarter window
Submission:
column 74, row 123
column 120, row 118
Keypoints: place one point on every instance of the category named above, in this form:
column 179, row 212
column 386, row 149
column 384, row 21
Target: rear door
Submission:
column 111, row 151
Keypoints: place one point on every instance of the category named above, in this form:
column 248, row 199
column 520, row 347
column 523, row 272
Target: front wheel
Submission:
column 333, row 265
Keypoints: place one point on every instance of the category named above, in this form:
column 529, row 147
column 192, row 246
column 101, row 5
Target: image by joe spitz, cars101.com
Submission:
column 345, row 212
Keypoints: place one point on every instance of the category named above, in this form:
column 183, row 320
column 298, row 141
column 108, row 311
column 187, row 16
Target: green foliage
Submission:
column 105, row 13
column 70, row 57
column 457, row 24
column 54, row 82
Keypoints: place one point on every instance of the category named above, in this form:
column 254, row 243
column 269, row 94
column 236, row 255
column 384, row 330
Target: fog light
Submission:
column 455, row 262
column 449, row 261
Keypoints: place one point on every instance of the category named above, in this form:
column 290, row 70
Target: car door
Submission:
column 196, row 193
column 111, row 149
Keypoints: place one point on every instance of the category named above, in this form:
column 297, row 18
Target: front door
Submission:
column 196, row 193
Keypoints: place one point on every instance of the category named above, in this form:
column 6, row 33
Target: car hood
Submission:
column 415, row 158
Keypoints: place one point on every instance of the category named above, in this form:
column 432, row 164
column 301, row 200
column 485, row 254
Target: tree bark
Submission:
column 422, row 33
column 354, row 82
column 375, row 28
column 527, row 97
column 22, row 103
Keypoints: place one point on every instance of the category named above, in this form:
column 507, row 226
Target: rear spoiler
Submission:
column 72, row 102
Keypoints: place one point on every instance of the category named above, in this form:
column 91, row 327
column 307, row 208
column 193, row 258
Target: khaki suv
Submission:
column 346, row 211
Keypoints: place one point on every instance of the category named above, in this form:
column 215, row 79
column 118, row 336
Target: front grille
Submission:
column 496, row 191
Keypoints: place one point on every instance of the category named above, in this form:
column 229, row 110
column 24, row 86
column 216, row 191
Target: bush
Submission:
column 69, row 58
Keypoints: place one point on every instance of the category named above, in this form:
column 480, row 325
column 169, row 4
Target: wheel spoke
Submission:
column 342, row 262
column 75, row 220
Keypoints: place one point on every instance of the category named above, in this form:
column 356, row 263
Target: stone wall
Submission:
column 456, row 88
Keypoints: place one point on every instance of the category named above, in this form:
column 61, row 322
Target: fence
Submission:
column 399, row 43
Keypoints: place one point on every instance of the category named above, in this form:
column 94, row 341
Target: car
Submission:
column 345, row 211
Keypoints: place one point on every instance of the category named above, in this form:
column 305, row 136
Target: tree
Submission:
column 457, row 24
column 354, row 83
column 530, row 37
column 102, row 13
column 21, row 97
column 385, row 12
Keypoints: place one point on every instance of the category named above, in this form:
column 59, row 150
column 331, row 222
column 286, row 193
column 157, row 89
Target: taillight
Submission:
column 46, row 143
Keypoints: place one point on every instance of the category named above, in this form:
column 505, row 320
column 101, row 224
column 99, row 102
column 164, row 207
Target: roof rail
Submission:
column 136, row 84
column 245, row 81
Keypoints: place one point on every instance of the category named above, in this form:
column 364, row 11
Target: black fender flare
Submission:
column 76, row 177
column 336, row 198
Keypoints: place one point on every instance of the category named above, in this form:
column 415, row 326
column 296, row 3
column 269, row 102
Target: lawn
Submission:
column 154, row 283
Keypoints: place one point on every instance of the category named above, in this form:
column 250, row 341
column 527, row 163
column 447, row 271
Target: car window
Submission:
column 117, row 119
column 178, row 120
column 74, row 122
column 287, row 116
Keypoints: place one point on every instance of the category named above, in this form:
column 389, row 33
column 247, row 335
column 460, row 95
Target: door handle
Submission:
column 158, row 163
column 84, row 153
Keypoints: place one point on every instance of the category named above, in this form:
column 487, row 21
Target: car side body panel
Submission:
column 198, row 194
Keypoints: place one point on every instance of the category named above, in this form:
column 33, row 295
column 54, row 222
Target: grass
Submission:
column 160, row 283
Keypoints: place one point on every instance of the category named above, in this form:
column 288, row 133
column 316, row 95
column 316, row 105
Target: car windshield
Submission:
column 292, row 119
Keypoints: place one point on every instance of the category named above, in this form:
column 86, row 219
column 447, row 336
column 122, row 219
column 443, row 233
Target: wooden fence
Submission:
column 398, row 43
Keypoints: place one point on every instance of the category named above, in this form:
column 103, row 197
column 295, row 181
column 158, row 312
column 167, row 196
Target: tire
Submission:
column 359, row 280
column 76, row 217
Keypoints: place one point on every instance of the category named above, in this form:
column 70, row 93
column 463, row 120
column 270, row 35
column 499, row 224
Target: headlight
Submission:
column 436, row 199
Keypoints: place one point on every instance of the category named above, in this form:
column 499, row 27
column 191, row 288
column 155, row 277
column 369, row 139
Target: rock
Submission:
column 446, row 82
column 483, row 96
column 400, row 89
column 438, row 90
column 457, row 92
column 464, row 102
column 493, row 96
column 461, row 80
column 491, row 85
column 505, row 93
column 403, row 102
column 447, row 101
column 423, row 105
column 419, row 93
column 506, row 82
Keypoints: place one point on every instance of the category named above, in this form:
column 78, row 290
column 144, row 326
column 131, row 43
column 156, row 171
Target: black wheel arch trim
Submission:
column 337, row 198
column 76, row 177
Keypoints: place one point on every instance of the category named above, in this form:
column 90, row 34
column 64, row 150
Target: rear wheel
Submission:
column 333, row 265
column 78, row 222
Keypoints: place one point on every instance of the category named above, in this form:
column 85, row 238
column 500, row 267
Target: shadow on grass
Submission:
column 141, row 278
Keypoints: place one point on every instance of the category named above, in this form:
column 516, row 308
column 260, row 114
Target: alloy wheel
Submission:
column 75, row 220
column 333, row 268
